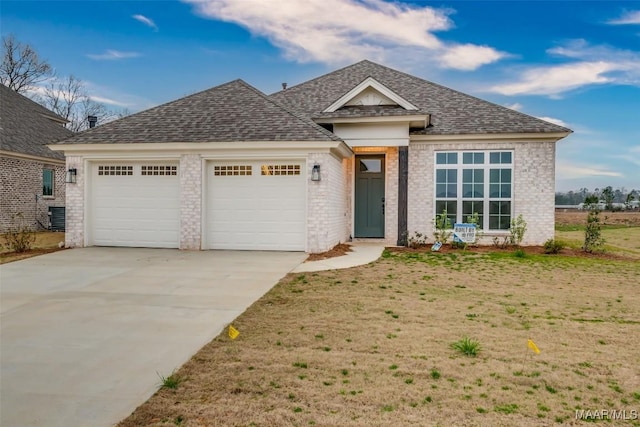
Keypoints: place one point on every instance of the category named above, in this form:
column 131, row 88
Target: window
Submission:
column 475, row 182
column 234, row 170
column 48, row 177
column 115, row 170
column 159, row 170
column 370, row 165
column 280, row 170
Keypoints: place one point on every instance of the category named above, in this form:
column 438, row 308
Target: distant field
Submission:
column 621, row 230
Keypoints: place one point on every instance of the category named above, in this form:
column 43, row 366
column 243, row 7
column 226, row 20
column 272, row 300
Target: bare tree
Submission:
column 70, row 99
column 21, row 67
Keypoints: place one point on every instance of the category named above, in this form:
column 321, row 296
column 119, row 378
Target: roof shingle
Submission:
column 234, row 111
column 452, row 112
column 26, row 126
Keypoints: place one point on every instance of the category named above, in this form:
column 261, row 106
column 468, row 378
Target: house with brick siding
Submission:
column 365, row 152
column 32, row 177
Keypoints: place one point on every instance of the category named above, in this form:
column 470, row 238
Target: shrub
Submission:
column 20, row 236
column 593, row 240
column 417, row 240
column 552, row 246
column 517, row 230
column 442, row 227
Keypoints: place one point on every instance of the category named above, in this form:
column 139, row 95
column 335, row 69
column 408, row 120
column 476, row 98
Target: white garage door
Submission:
column 257, row 205
column 134, row 204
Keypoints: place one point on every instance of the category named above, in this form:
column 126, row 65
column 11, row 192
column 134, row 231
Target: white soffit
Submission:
column 370, row 82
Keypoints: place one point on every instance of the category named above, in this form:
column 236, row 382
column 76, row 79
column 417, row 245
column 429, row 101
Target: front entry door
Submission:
column 369, row 196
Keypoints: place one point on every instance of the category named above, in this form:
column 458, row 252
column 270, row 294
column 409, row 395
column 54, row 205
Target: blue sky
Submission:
column 576, row 63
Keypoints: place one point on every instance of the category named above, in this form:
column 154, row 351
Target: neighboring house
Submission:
column 365, row 152
column 31, row 175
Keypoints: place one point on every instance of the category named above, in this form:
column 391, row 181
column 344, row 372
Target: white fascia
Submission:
column 484, row 137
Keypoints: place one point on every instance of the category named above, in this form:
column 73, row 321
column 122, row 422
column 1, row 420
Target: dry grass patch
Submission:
column 372, row 345
column 46, row 242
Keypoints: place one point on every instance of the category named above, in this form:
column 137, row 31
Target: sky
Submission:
column 574, row 63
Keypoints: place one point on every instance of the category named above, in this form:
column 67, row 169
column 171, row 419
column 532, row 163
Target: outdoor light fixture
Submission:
column 71, row 176
column 315, row 173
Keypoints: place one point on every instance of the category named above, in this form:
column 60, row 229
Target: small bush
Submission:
column 517, row 230
column 501, row 243
column 442, row 228
column 417, row 240
column 552, row 247
column 467, row 346
column 20, row 236
column 593, row 240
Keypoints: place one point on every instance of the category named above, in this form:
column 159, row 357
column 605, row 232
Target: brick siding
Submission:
column 533, row 192
column 327, row 209
column 190, row 201
column 21, row 192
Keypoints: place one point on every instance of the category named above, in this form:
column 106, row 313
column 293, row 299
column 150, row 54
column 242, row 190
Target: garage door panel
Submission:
column 257, row 211
column 135, row 210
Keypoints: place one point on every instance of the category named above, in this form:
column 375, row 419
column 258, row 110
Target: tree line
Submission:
column 25, row 72
column 608, row 195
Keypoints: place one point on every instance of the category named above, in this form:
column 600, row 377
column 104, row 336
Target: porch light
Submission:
column 71, row 176
column 315, row 173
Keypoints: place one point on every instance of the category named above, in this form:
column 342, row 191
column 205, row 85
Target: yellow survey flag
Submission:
column 233, row 332
column 531, row 345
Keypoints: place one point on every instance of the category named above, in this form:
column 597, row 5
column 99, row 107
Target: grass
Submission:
column 467, row 346
column 566, row 305
column 46, row 242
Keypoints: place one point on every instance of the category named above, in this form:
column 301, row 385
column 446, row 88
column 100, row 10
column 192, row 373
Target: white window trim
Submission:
column 53, row 183
column 459, row 199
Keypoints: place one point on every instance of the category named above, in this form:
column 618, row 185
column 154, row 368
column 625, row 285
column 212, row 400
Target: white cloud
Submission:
column 146, row 21
column 469, row 56
column 342, row 31
column 515, row 106
column 554, row 121
column 572, row 171
column 557, row 79
column 630, row 17
column 112, row 55
column 591, row 65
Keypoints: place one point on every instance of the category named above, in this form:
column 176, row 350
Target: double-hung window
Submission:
column 475, row 182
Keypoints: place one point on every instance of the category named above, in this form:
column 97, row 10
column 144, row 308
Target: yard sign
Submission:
column 464, row 233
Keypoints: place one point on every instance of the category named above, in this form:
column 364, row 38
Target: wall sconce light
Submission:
column 315, row 173
column 71, row 176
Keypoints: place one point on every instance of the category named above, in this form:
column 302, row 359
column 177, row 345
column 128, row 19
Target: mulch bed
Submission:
column 338, row 250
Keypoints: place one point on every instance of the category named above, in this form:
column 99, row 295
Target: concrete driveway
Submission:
column 85, row 332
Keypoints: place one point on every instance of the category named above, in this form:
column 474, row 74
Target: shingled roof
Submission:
column 234, row 111
column 452, row 112
column 26, row 126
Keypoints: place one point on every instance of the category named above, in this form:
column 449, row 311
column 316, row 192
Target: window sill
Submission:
column 48, row 197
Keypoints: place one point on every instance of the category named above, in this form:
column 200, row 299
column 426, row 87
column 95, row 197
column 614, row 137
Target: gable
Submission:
column 450, row 112
column 370, row 92
column 369, row 97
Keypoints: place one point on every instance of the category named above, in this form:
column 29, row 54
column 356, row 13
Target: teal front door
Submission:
column 369, row 196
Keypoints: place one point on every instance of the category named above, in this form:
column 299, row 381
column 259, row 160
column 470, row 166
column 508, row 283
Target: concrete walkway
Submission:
column 85, row 332
column 361, row 253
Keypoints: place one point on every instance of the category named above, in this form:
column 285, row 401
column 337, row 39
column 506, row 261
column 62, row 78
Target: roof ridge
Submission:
column 293, row 113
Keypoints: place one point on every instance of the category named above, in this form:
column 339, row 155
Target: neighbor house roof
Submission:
column 26, row 126
column 451, row 112
column 234, row 111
